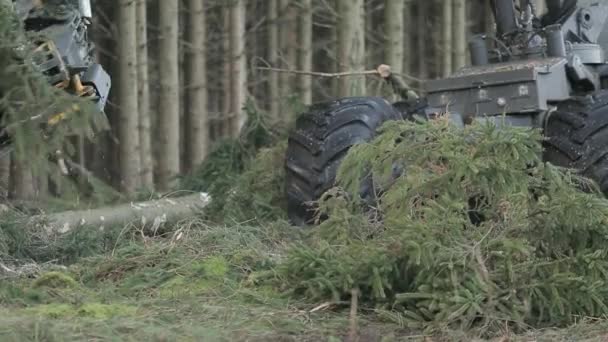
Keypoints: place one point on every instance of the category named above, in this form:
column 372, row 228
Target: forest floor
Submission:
column 196, row 284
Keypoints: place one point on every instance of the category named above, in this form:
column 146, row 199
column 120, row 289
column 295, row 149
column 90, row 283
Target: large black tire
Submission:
column 321, row 139
column 577, row 137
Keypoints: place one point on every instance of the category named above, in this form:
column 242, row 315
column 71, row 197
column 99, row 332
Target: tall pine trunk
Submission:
column 197, row 129
column 305, row 53
column 408, row 29
column 460, row 34
column 228, row 79
column 273, row 59
column 351, row 45
column 288, row 37
column 143, row 92
column 446, row 65
column 239, row 65
column 395, row 34
column 424, row 38
column 21, row 179
column 127, row 97
column 169, row 152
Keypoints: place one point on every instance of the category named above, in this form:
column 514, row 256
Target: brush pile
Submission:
column 469, row 230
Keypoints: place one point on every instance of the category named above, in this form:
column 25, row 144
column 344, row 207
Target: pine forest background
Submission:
column 187, row 73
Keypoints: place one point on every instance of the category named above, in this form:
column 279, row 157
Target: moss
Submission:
column 180, row 287
column 52, row 310
column 105, row 311
column 55, row 280
column 90, row 310
column 215, row 267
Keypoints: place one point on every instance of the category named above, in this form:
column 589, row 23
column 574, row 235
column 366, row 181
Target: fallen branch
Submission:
column 150, row 214
column 322, row 74
column 383, row 70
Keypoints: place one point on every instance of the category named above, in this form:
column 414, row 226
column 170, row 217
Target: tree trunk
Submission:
column 541, row 7
column 5, row 172
column 351, row 45
column 460, row 34
column 273, row 59
column 168, row 159
column 127, row 95
column 423, row 37
column 239, row 65
column 395, row 34
column 228, row 79
column 288, row 38
column 305, row 52
column 408, row 30
column 21, row 180
column 150, row 214
column 447, row 38
column 143, row 92
column 197, row 129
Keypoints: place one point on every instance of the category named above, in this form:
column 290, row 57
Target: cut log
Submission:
column 149, row 215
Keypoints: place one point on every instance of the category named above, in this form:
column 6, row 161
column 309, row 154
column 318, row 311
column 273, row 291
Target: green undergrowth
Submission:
column 204, row 283
column 244, row 175
column 475, row 233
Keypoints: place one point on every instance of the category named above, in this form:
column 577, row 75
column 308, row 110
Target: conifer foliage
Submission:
column 37, row 116
column 474, row 231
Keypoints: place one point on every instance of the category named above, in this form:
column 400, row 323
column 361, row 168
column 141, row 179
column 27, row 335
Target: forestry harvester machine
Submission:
column 547, row 72
column 63, row 52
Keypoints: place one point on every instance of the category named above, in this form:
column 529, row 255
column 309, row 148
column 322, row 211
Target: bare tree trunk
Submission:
column 305, row 54
column 273, row 58
column 239, row 65
column 351, row 45
column 151, row 214
column 541, row 7
column 460, row 34
column 197, row 129
column 168, row 159
column 21, row 180
column 394, row 12
column 288, row 37
column 228, row 79
column 5, row 172
column 407, row 37
column 423, row 37
column 447, row 37
column 127, row 85
column 143, row 92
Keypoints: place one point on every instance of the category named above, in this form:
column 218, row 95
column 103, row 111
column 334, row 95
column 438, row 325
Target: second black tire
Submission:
column 577, row 137
column 321, row 139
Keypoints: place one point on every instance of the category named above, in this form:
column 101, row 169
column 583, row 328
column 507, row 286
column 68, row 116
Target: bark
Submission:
column 239, row 65
column 395, row 34
column 305, row 53
column 150, row 214
column 273, row 59
column 407, row 37
column 143, row 93
column 22, row 186
column 460, row 34
column 197, row 129
column 169, row 151
column 423, row 37
column 541, row 7
column 447, row 38
column 351, row 45
column 5, row 171
column 288, row 37
column 228, row 79
column 127, row 85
